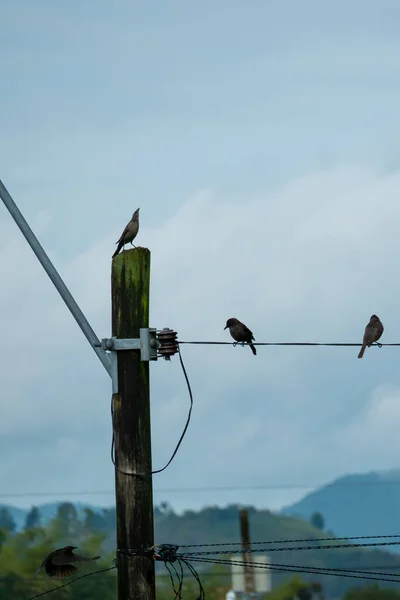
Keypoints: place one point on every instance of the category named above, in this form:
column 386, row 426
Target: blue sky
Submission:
column 260, row 140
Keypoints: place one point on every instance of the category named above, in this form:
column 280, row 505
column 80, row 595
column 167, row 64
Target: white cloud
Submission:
column 309, row 262
column 371, row 437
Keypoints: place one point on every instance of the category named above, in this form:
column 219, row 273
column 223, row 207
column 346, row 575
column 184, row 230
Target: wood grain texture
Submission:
column 130, row 283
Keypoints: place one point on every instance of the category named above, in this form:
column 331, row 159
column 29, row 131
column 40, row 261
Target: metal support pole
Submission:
column 55, row 277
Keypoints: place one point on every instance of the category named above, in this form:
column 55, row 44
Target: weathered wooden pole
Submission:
column 249, row 586
column 131, row 422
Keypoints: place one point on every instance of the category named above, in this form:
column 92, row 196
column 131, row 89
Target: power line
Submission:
column 340, row 344
column 392, row 577
column 71, row 582
column 228, row 573
column 282, row 486
column 298, row 540
column 291, row 548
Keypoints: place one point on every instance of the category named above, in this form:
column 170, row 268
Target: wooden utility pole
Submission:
column 249, row 586
column 131, row 426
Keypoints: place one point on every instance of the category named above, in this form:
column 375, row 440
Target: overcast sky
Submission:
column 261, row 141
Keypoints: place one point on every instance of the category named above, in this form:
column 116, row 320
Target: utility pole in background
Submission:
column 249, row 580
column 249, row 586
column 130, row 284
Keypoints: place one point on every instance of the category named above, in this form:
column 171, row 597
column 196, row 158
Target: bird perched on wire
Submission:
column 59, row 562
column 240, row 333
column 373, row 332
column 129, row 233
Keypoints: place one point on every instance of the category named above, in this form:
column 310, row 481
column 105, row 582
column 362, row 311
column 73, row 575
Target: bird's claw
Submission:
column 379, row 344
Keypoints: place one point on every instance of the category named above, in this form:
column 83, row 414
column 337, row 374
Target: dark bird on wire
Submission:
column 373, row 332
column 240, row 333
column 58, row 562
column 129, row 233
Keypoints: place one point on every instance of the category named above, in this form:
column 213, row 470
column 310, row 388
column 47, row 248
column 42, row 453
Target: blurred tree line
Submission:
column 21, row 553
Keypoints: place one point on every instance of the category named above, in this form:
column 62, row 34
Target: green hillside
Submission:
column 94, row 532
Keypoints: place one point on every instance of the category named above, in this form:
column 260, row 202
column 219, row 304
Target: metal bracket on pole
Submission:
column 147, row 344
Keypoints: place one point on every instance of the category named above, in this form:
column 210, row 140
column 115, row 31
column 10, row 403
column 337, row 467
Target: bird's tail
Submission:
column 253, row 349
column 63, row 571
column 118, row 249
column 361, row 353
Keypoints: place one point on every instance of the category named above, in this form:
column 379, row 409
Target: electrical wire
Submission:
column 344, row 344
column 188, row 417
column 180, row 439
column 393, row 578
column 71, row 582
column 233, row 488
column 326, row 539
column 227, row 573
column 293, row 548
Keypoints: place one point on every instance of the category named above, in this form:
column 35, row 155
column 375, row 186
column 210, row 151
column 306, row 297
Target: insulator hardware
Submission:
column 168, row 345
column 165, row 552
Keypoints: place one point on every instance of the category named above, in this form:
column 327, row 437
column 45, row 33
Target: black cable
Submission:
column 327, row 539
column 134, row 552
column 188, row 417
column 180, row 576
column 177, row 592
column 227, row 573
column 285, row 344
column 332, row 569
column 291, row 548
column 180, row 439
column 70, row 582
column 293, row 569
column 193, row 571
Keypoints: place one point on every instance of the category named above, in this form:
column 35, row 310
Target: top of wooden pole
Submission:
column 130, row 282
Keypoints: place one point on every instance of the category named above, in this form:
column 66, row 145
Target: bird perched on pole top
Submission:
column 373, row 332
column 58, row 562
column 240, row 333
column 129, row 233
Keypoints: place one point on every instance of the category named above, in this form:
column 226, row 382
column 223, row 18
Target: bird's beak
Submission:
column 226, row 327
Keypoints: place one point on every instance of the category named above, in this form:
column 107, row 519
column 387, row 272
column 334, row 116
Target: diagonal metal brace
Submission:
column 147, row 344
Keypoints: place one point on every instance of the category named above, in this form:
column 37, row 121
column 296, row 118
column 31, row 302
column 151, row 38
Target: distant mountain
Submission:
column 47, row 512
column 359, row 504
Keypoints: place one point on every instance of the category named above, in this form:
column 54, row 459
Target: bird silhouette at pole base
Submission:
column 129, row 233
column 58, row 562
column 373, row 332
column 240, row 333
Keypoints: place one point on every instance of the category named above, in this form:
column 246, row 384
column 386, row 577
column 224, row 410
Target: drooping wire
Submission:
column 195, row 574
column 177, row 591
column 188, row 417
column 180, row 439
